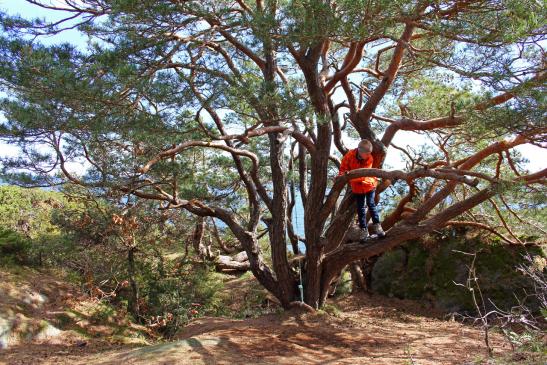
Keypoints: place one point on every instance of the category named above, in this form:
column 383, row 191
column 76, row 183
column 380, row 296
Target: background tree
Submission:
column 27, row 235
column 267, row 87
column 128, row 252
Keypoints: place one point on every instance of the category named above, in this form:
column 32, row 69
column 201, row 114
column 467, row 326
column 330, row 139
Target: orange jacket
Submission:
column 352, row 161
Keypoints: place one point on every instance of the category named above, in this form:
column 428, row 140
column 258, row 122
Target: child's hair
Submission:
column 365, row 146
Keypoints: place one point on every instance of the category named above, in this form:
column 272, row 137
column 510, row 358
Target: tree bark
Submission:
column 278, row 227
column 201, row 249
column 357, row 277
column 133, row 304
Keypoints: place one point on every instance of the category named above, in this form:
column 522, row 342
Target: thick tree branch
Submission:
column 418, row 125
column 341, row 181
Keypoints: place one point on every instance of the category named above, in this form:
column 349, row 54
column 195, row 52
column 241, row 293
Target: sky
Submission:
column 535, row 155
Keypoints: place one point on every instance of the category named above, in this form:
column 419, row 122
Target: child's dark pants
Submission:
column 361, row 209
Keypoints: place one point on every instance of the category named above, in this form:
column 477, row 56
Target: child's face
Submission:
column 364, row 155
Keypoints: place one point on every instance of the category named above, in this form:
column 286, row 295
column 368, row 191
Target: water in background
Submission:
column 298, row 221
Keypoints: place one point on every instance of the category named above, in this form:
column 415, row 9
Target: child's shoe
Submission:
column 363, row 236
column 377, row 227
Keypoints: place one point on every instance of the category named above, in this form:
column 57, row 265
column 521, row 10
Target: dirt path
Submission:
column 369, row 331
column 366, row 330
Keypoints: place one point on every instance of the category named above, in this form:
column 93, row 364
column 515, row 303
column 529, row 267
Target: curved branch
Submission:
column 467, row 164
column 502, row 98
column 389, row 75
column 237, row 44
column 537, row 177
column 481, row 226
column 352, row 59
column 349, row 96
column 298, row 136
column 391, row 219
column 401, row 175
column 407, row 124
column 502, row 219
column 452, row 120
column 181, row 147
column 337, row 130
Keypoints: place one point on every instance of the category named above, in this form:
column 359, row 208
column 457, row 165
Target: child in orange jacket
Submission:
column 364, row 188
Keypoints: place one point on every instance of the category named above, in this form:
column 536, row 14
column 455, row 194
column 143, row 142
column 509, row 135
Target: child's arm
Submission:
column 344, row 166
column 368, row 165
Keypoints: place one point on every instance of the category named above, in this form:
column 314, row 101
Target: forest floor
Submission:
column 355, row 329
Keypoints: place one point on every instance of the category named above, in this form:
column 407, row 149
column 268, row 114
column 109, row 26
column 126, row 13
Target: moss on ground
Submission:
column 430, row 269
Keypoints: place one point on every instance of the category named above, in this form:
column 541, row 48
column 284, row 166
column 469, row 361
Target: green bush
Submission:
column 344, row 286
column 182, row 298
column 102, row 313
column 14, row 247
column 28, row 211
column 28, row 233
